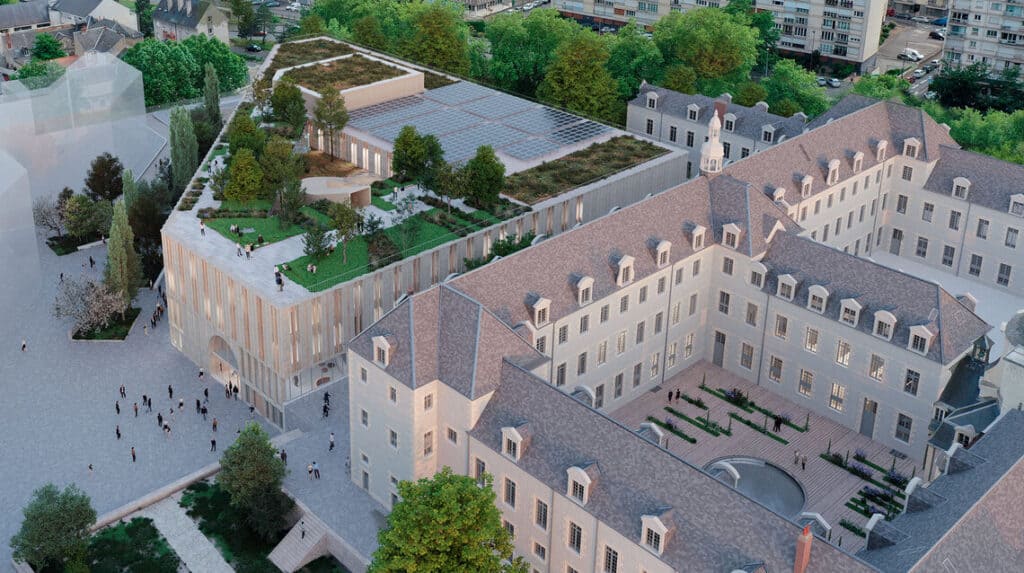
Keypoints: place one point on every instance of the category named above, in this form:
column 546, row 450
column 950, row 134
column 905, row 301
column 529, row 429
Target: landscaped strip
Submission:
column 382, row 203
column 694, row 401
column 721, row 396
column 785, row 420
column 343, row 74
column 837, row 460
column 673, row 429
column 758, row 428
column 117, row 329
column 295, row 53
column 852, row 528
column 710, row 427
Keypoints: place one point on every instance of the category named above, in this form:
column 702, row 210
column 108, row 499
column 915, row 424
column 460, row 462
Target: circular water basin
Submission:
column 761, row 480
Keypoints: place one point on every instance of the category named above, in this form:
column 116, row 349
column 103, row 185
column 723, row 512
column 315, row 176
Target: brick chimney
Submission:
column 721, row 107
column 803, row 550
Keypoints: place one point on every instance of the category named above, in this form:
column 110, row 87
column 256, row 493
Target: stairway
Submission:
column 294, row 551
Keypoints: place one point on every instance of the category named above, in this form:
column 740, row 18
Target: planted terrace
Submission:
column 296, row 53
column 343, row 74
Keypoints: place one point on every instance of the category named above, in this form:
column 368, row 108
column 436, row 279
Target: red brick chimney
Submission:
column 721, row 107
column 803, row 550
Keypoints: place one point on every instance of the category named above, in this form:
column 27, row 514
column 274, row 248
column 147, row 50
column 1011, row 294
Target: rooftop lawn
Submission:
column 269, row 227
column 579, row 168
column 295, row 53
column 343, row 74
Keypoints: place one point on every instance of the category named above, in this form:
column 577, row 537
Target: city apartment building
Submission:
column 681, row 120
column 991, row 33
column 846, row 30
column 927, row 8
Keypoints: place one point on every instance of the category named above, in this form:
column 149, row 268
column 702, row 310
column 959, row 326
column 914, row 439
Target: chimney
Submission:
column 763, row 106
column 10, row 41
column 726, row 97
column 188, row 6
column 721, row 106
column 803, row 550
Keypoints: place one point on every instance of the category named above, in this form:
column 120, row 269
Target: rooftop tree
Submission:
column 184, row 148
column 46, row 47
column 289, row 105
column 55, row 530
column 211, row 95
column 330, row 116
column 243, row 133
column 347, row 222
column 245, row 180
column 485, row 176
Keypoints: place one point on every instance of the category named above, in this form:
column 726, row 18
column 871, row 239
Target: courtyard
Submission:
column 828, row 490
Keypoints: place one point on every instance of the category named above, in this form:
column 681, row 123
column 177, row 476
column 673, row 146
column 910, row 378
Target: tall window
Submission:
column 806, row 382
column 602, row 352
column 693, row 305
column 1011, row 237
column 618, row 385
column 781, row 326
column 578, row 490
column 752, row 314
column 922, row 247
column 688, row 346
column 835, row 400
column 581, row 364
column 775, row 369
column 510, row 492
column 560, row 375
column 948, row 254
column 975, row 268
column 918, row 343
column 811, row 340
column 1003, row 278
column 954, row 220
column 611, row 560
column 927, row 211
column 982, row 229
column 604, row 314
column 901, row 203
column 911, row 381
column 877, row 370
column 723, row 302
column 843, row 353
column 563, row 334
column 584, row 323
column 727, row 264
column 540, row 515
column 638, row 371
column 575, row 537
column 481, row 468
column 746, row 356
column 904, row 423
column 599, row 396
column 908, row 173
column 428, row 443
column 620, row 342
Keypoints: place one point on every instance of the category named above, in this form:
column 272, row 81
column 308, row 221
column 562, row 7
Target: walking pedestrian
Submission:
column 198, row 406
column 302, row 529
column 238, row 249
column 348, row 464
column 133, row 454
column 227, row 392
column 316, row 470
column 145, row 329
column 92, row 262
column 252, row 411
column 215, row 424
column 62, row 280
column 159, row 419
column 248, row 251
column 117, row 431
column 135, row 407
column 201, row 373
column 327, row 398
column 677, row 394
column 206, row 393
column 326, row 410
column 213, row 444
column 796, row 457
column 149, row 404
column 284, row 456
column 167, row 430
column 171, row 410
column 24, row 345
column 170, row 392
column 202, row 228
column 309, row 470
column 234, row 391
column 90, row 465
column 181, row 404
column 331, row 448
column 123, row 391
column 669, row 396
column 203, row 412
column 803, row 462
column 117, row 407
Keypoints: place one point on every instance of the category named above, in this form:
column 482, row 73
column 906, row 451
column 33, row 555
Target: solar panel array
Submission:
column 465, row 116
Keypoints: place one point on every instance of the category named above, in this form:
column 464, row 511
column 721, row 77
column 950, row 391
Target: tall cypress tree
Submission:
column 211, row 95
column 128, row 189
column 184, row 148
column 123, row 272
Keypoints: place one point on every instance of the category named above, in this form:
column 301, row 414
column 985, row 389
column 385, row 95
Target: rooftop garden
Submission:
column 343, row 74
column 320, row 164
column 295, row 53
column 246, row 222
column 580, row 168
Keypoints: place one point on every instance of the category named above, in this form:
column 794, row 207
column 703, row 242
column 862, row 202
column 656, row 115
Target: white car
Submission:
column 835, row 82
column 822, row 82
column 919, row 73
column 294, row 7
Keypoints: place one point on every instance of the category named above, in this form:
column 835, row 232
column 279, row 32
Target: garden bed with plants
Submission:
column 295, row 53
column 254, row 219
column 706, row 424
column 67, row 244
column 343, row 74
column 894, row 481
column 117, row 329
column 758, row 428
column 671, row 428
column 135, row 545
column 320, row 164
column 580, row 168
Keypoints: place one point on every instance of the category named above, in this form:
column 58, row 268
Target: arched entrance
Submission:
column 223, row 364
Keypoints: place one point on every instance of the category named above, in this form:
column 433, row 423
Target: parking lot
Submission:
column 912, row 35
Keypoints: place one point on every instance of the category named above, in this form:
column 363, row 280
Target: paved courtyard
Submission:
column 827, row 487
column 57, row 414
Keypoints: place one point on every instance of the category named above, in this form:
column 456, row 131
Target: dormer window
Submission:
column 657, row 530
column 652, row 539
column 698, row 237
column 833, row 172
column 880, row 150
column 692, row 112
column 730, row 235
column 514, row 441
column 920, row 339
column 910, row 147
column 858, row 161
column 779, row 195
column 805, row 186
column 624, row 274
column 1017, row 205
column 767, row 134
column 381, row 351
column 584, row 290
column 662, row 253
column 757, row 274
column 851, row 312
column 729, row 122
column 885, row 322
column 960, row 187
column 541, row 309
column 787, row 285
column 652, row 101
column 817, row 298
column 580, row 481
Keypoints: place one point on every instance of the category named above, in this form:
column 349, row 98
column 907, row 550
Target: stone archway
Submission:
column 222, row 362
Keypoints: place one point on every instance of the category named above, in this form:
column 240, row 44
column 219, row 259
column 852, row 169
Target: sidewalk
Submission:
column 193, row 548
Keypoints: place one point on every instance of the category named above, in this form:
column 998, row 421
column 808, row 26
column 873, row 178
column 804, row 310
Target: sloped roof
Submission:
column 978, row 415
column 849, row 104
column 169, row 11
column 993, row 181
column 24, row 14
column 80, row 8
column 718, row 528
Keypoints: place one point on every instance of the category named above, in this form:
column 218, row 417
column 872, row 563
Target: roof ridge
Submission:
column 412, row 343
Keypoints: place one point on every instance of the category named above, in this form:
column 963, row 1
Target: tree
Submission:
column 279, row 166
column 681, row 78
column 451, row 183
column 104, row 178
column 791, row 82
column 444, row 523
column 46, row 47
column 169, row 71
column 289, row 105
column 485, row 176
column 440, row 39
column 55, row 530
column 964, row 86
column 231, row 70
column 578, row 81
column 250, row 468
column 243, row 133
column 146, row 219
column 522, row 48
column 89, row 304
column 245, row 17
column 750, row 93
column 39, row 73
column 719, row 47
column 316, row 243
column 128, row 188
column 312, row 25
column 246, row 177
column 79, row 216
column 123, row 272
column 632, row 59
column 263, row 18
column 261, row 90
column 290, row 201
column 184, row 148
column 433, row 159
column 330, row 116
column 367, row 31
column 882, row 86
column 218, row 181
column 211, row 95
column 762, row 21
column 409, row 154
column 144, row 17
column 46, row 213
column 346, row 221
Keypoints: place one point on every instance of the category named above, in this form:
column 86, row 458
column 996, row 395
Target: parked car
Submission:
column 822, row 81
column 254, row 48
column 835, row 82
column 930, row 66
column 937, row 35
column 920, row 19
column 272, row 4
column 940, row 21
column 930, row 95
column 904, row 16
column 920, row 72
column 294, row 7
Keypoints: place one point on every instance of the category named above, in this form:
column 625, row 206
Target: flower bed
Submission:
column 136, row 545
column 757, row 428
column 720, row 394
column 343, row 74
column 852, row 528
column 694, row 401
column 708, row 426
column 295, row 53
column 836, row 458
column 677, row 432
column 117, row 329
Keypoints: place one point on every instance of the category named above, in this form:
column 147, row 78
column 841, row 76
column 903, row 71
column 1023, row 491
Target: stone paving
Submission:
column 194, row 549
column 57, row 412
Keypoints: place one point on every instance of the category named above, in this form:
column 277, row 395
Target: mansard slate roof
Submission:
column 76, row 7
column 442, row 334
column 975, row 524
column 993, row 181
column 718, row 528
column 169, row 11
column 875, row 287
column 749, row 120
column 24, row 14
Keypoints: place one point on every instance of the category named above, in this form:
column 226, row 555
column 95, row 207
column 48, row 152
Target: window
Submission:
column 511, row 529
column 584, row 323
column 729, row 123
column 673, row 133
column 578, row 490
column 604, row 314
column 362, row 374
column 723, row 302
column 817, row 303
column 696, row 267
column 653, row 540
column 541, row 316
column 922, row 247
column 393, row 394
column 540, row 514
column 563, row 334
column 927, row 212
column 786, row 291
column 975, row 268
column 744, row 152
column 642, row 297
column 726, row 148
column 620, row 342
column 658, row 320
column 908, row 173
column 849, row 316
column 756, row 279
column 1011, row 237
column 688, row 347
column 901, row 204
column 640, row 327
column 806, row 382
column 730, row 239
column 581, row 364
column 811, row 340
column 982, row 229
column 693, row 305
column 662, row 281
column 575, row 537
column 948, row 253
column 655, row 364
column 611, row 560
column 766, row 136
column 510, row 492
column 903, row 425
column 618, row 385
column 428, row 401
column 781, row 326
column 638, row 370
column 365, row 418
column 843, row 353
column 954, row 220
column 428, row 443
column 1017, row 208
column 752, row 310
column 649, row 128
column 560, row 375
column 910, row 382
column 542, row 344
column 877, row 369
column 691, row 114
column 453, row 436
column 393, row 438
column 670, row 360
column 602, row 352
column 512, row 448
column 585, row 294
column 835, row 400
column 1003, row 278
column 479, row 470
column 689, row 139
column 652, row 102
column 746, row 356
column 624, row 303
column 883, row 329
column 727, row 264
column 540, row 551
column 679, row 276
column 775, row 369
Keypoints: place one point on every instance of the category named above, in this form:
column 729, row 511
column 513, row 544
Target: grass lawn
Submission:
column 382, row 203
column 133, row 546
column 252, row 228
column 116, row 330
column 343, row 74
column 67, row 244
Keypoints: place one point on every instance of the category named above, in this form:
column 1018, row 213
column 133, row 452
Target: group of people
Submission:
column 311, row 268
column 327, row 404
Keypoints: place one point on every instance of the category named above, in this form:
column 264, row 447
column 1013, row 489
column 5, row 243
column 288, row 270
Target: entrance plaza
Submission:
column 826, row 487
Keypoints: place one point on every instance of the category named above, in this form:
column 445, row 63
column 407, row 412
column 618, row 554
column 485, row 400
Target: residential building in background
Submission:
column 83, row 11
column 22, row 16
column 991, row 33
column 179, row 19
column 931, row 9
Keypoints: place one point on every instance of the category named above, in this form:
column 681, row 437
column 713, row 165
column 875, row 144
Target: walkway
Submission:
column 193, row 548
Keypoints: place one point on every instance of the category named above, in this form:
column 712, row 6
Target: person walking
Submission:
column 117, row 407
column 181, row 404
column 796, row 457
column 213, row 444
column 316, row 470
column 24, row 345
column 145, row 329
column 331, row 448
column 206, row 393
column 201, row 373
column 215, row 424
column 203, row 412
column 123, row 391
column 170, row 392
column 302, row 529
column 284, row 456
column 167, row 431
column 202, row 228
column 133, row 454
column 92, row 262
column 238, row 249
column 135, row 407
column 327, row 398
column 90, row 465
column 159, row 419
column 149, row 405
column 309, row 471
column 678, row 394
column 117, row 431
column 669, row 396
column 803, row 462
column 198, row 406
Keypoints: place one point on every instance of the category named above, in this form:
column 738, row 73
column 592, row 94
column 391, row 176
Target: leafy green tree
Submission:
column 246, row 178
column 290, row 201
column 46, row 47
column 337, row 31
column 409, row 154
column 245, row 17
column 330, row 117
column 251, row 473
column 785, row 107
column 123, row 272
column 261, row 90
column 311, row 25
column 104, row 179
column 128, row 189
column 279, row 165
column 750, row 93
column 347, row 222
column 316, row 243
column 55, row 530
column 243, row 133
column 632, row 59
column 211, row 95
column 450, row 183
column 681, row 78
column 39, row 73
column 719, row 47
column 146, row 219
column 440, row 38
column 184, row 148
column 144, row 17
column 578, row 81
column 367, row 31
column 764, row 22
column 169, row 71
column 433, row 159
column 964, row 86
column 289, row 105
column 882, row 86
column 522, row 48
column 231, row 70
column 789, row 81
column 485, row 176
column 445, row 523
column 263, row 18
